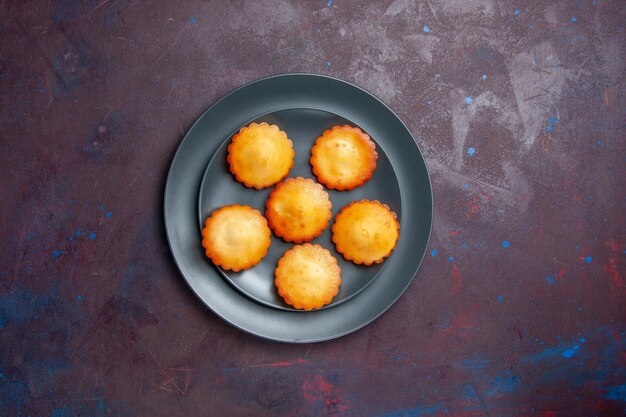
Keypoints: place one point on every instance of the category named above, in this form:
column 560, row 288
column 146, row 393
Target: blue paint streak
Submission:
column 426, row 29
column 500, row 298
column 474, row 363
column 434, row 252
column 582, row 340
column 505, row 243
column 550, row 279
column 61, row 412
column 504, row 383
column 108, row 214
column 574, row 19
column 616, row 393
column 419, row 410
column 92, row 235
column 517, row 12
column 192, row 21
column 451, row 259
column 57, row 253
column 471, row 151
column 588, row 259
column 468, row 100
column 552, row 122
column 469, row 393
column 484, row 77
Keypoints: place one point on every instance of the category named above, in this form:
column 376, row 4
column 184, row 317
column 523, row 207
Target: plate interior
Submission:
column 219, row 188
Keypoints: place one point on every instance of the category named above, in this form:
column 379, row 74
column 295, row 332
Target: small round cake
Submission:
column 343, row 158
column 366, row 232
column 307, row 276
column 236, row 237
column 260, row 155
column 298, row 209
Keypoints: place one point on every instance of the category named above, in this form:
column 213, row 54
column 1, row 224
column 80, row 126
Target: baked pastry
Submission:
column 236, row 237
column 260, row 155
column 343, row 158
column 366, row 232
column 298, row 209
column 307, row 276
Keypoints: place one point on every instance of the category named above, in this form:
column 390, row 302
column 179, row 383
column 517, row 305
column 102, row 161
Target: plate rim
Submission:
column 168, row 185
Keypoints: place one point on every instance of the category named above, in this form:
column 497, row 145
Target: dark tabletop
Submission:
column 518, row 308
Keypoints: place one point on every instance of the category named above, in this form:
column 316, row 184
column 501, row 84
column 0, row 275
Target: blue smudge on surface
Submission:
column 568, row 353
column 192, row 21
column 474, row 363
column 434, row 252
column 500, row 298
column 505, row 243
column 61, row 412
column 550, row 279
column 517, row 12
column 426, row 29
column 416, row 411
column 504, row 383
column 588, row 259
column 616, row 393
column 108, row 214
column 471, row 151
column 451, row 259
column 57, row 253
column 328, row 63
column 469, row 393
column 468, row 100
column 573, row 18
column 92, row 235
column 484, row 77
column 552, row 122
column 329, row 3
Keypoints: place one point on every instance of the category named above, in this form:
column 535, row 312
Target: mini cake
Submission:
column 298, row 210
column 343, row 158
column 236, row 237
column 366, row 232
column 307, row 276
column 260, row 155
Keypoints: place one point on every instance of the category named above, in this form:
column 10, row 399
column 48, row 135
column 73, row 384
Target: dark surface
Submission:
column 520, row 310
column 303, row 126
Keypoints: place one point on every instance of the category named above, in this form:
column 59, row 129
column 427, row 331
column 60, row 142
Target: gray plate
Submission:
column 297, row 92
column 303, row 126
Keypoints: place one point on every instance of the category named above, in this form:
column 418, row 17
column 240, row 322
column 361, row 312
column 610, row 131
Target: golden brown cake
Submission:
column 298, row 209
column 236, row 237
column 260, row 155
column 343, row 158
column 366, row 232
column 307, row 276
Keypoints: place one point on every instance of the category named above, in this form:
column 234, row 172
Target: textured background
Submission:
column 518, row 308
